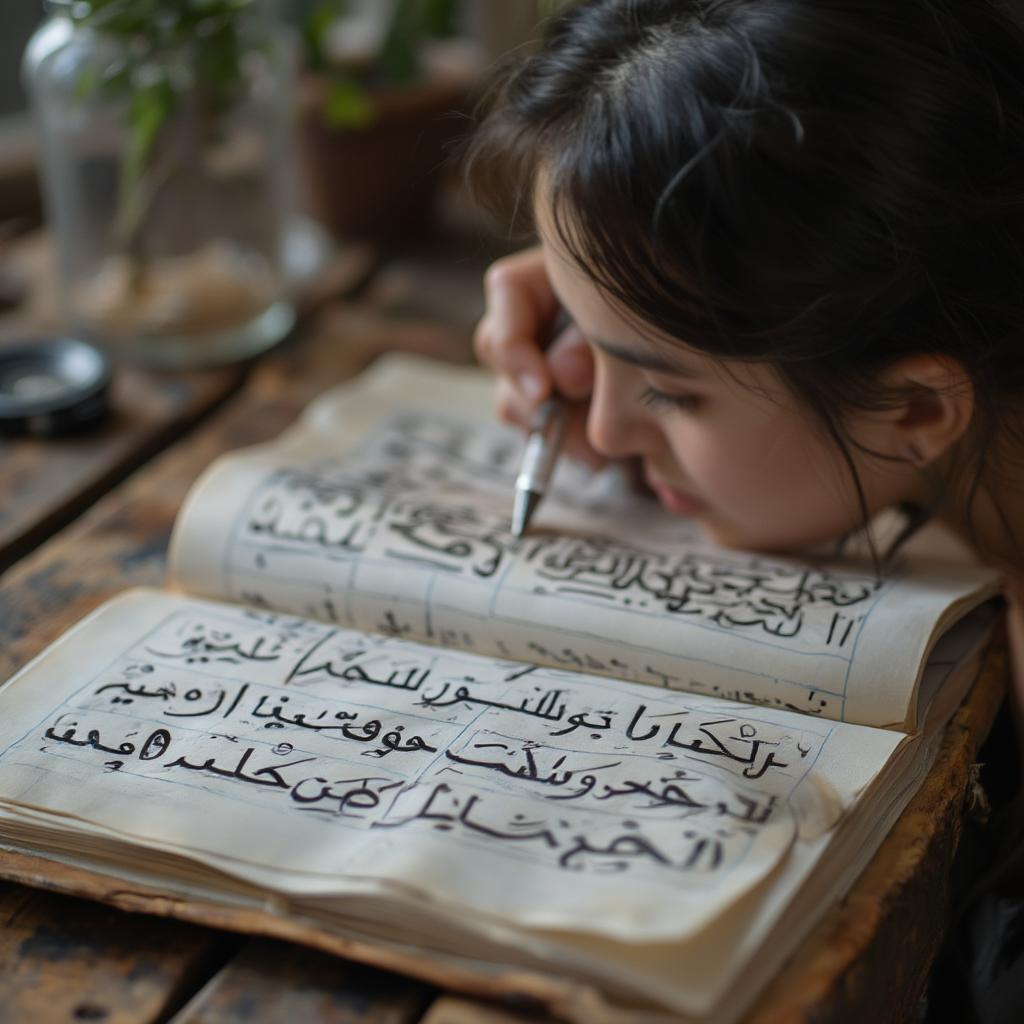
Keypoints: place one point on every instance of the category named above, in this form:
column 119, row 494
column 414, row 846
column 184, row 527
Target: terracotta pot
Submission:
column 380, row 180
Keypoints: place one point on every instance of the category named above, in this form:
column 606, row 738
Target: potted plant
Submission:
column 164, row 124
column 377, row 110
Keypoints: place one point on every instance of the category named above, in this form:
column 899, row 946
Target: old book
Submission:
column 605, row 760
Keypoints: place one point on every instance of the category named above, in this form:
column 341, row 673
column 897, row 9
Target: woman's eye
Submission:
column 655, row 399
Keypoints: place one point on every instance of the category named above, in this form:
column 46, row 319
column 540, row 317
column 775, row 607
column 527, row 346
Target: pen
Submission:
column 538, row 462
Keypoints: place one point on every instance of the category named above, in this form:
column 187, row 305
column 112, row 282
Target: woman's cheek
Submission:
column 724, row 467
column 722, row 487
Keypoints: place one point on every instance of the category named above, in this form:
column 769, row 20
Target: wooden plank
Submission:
column 47, row 482
column 272, row 981
column 870, row 959
column 443, row 287
column 121, row 541
column 523, row 988
column 70, row 960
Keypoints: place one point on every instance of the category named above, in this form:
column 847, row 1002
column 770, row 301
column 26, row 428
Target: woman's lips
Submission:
column 675, row 501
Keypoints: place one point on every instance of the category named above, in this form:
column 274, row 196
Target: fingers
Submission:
column 514, row 409
column 511, row 339
column 520, row 306
column 512, row 406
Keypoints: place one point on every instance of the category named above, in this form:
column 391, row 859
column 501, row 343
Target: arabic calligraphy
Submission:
column 720, row 590
column 595, row 846
column 409, row 536
column 575, row 774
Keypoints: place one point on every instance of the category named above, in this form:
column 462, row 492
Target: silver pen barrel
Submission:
column 538, row 462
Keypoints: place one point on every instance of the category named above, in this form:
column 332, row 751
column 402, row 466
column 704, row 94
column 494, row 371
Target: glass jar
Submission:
column 165, row 138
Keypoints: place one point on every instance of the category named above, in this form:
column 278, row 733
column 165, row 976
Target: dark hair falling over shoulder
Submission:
column 823, row 185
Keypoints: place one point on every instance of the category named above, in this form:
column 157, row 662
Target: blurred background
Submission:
column 188, row 172
column 195, row 164
column 485, row 28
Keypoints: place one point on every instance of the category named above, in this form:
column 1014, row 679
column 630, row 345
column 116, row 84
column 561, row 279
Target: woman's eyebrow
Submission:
column 647, row 360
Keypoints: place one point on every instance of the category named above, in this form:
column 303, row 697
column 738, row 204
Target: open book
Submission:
column 616, row 766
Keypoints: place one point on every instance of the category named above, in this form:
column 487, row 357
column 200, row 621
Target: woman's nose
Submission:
column 616, row 425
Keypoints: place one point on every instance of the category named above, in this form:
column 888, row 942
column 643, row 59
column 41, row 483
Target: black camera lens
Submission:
column 52, row 386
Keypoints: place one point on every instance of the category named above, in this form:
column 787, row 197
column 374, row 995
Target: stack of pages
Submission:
column 604, row 763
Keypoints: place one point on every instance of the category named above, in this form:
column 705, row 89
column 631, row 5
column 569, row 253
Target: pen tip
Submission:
column 526, row 503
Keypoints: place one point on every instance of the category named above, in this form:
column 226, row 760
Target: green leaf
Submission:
column 209, row 33
column 399, row 58
column 151, row 106
column 315, row 28
column 348, row 106
column 116, row 79
column 438, row 17
column 87, row 82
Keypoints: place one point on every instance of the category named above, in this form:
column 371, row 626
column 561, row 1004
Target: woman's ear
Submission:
column 932, row 409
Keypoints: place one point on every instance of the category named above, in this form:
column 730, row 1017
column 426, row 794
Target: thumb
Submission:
column 571, row 364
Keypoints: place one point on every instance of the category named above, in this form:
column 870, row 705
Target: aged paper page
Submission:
column 383, row 514
column 310, row 759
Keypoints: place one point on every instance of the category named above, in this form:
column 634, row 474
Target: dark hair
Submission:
column 823, row 185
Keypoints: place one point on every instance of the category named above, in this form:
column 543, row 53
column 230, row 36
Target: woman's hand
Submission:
column 512, row 339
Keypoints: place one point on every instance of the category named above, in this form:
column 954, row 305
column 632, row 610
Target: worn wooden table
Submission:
column 81, row 519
